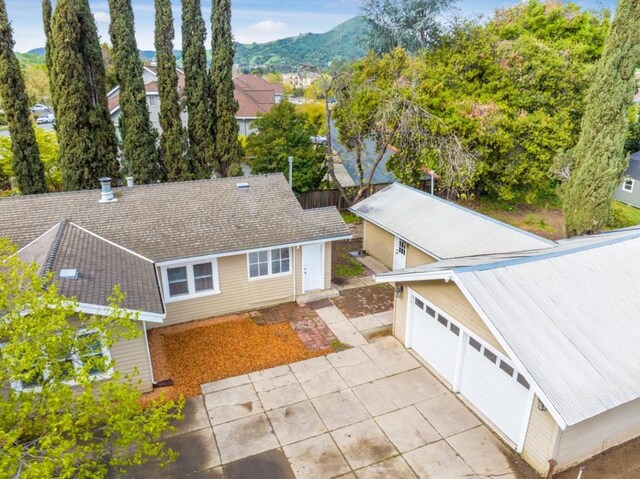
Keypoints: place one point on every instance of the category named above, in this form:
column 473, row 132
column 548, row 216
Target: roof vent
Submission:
column 106, row 191
column 130, row 182
column 242, row 186
column 69, row 273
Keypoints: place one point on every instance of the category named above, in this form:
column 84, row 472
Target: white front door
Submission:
column 399, row 254
column 312, row 267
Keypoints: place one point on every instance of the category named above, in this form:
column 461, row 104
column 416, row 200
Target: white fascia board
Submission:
column 246, row 251
column 99, row 310
column 400, row 277
column 521, row 368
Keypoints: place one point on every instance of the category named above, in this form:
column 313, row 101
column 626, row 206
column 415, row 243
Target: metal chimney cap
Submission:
column 106, row 194
column 130, row 182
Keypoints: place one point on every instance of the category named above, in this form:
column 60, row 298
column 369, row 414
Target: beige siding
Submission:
column 415, row 257
column 378, row 243
column 449, row 299
column 594, row 435
column 129, row 355
column 539, row 444
column 238, row 293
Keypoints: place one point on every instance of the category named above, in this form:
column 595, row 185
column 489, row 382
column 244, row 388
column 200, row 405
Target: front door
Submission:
column 312, row 267
column 399, row 254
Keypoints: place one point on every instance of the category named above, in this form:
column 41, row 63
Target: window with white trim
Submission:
column 188, row 280
column 269, row 262
column 627, row 185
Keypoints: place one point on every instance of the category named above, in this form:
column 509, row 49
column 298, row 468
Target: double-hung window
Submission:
column 269, row 262
column 184, row 281
column 627, row 185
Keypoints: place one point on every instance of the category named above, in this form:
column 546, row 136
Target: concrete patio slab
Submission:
column 225, row 384
column 331, row 314
column 376, row 397
column 270, row 373
column 267, row 465
column 244, row 437
column 198, row 452
column 481, row 451
column 214, row 473
column 390, row 356
column 366, row 322
column 363, row 444
column 438, row 461
column 413, row 386
column 231, row 404
column 407, row 429
column 448, row 415
column 286, row 378
column 355, row 367
column 282, row 396
column 316, row 458
column 296, row 422
column 340, row 409
column 195, row 418
column 394, row 468
column 347, row 333
column 386, row 318
column 317, row 377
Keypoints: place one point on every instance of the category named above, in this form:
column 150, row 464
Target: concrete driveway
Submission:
column 367, row 412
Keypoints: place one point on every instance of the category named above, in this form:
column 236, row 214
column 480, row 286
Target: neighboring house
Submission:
column 628, row 191
column 404, row 227
column 181, row 251
column 255, row 97
column 543, row 345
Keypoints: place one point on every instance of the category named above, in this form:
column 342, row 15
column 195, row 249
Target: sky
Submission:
column 252, row 20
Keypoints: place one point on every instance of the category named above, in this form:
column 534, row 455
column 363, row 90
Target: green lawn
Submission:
column 348, row 268
column 350, row 218
column 624, row 215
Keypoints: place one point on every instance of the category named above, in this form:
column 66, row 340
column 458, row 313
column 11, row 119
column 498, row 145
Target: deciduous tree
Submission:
column 48, row 426
column 598, row 159
column 139, row 153
column 27, row 167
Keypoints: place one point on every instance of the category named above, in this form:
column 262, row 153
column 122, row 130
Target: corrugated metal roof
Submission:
column 442, row 228
column 569, row 315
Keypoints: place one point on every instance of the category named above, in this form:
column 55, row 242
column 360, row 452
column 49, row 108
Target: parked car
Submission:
column 319, row 140
column 39, row 107
column 44, row 119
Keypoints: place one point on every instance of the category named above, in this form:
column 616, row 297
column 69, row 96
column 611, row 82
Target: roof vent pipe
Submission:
column 130, row 182
column 106, row 191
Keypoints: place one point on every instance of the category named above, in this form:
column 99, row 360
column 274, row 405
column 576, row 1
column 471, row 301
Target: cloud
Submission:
column 260, row 32
column 102, row 18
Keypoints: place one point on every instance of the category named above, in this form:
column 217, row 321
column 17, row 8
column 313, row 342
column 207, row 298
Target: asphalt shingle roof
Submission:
column 178, row 220
column 101, row 265
column 633, row 170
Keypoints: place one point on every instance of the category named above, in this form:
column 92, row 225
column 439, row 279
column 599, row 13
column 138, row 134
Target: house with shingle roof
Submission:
column 628, row 191
column 181, row 251
column 255, row 96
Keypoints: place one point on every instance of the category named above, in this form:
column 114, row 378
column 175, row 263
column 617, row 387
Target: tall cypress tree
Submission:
column 46, row 20
column 598, row 159
column 139, row 154
column 27, row 167
column 86, row 137
column 197, row 88
column 226, row 148
column 176, row 163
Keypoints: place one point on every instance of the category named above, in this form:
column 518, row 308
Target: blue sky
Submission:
column 253, row 20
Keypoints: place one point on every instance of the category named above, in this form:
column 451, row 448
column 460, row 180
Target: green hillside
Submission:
column 344, row 42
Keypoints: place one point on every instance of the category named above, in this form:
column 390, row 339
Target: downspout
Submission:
column 146, row 344
column 293, row 260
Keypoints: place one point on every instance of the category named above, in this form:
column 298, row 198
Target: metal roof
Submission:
column 568, row 316
column 441, row 228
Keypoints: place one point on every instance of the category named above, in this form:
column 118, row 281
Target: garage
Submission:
column 487, row 379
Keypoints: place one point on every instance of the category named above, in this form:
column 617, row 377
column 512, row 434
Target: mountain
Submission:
column 343, row 42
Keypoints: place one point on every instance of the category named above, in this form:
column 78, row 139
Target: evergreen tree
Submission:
column 86, row 135
column 226, row 147
column 139, row 154
column 176, row 163
column 27, row 167
column 46, row 20
column 197, row 88
column 598, row 159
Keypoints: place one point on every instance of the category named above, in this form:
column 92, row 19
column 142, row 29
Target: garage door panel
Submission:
column 493, row 385
column 435, row 338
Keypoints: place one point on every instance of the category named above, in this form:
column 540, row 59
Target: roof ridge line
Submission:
column 545, row 254
column 55, row 247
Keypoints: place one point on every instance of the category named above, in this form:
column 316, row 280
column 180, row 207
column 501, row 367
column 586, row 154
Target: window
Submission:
column 490, row 355
column 475, row 344
column 506, row 368
column 153, row 100
column 269, row 262
column 185, row 281
column 522, row 381
column 91, row 349
column 454, row 329
column 431, row 312
column 402, row 247
column 178, row 282
column 442, row 320
column 627, row 185
column 419, row 304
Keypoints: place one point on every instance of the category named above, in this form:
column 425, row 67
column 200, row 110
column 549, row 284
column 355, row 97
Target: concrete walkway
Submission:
column 350, row 331
column 368, row 412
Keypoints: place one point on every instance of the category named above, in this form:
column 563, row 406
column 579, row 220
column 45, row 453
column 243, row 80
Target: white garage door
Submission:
column 490, row 382
column 495, row 387
column 435, row 338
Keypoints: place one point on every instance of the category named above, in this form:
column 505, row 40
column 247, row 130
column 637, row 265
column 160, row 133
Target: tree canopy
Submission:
column 281, row 133
column 59, row 419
